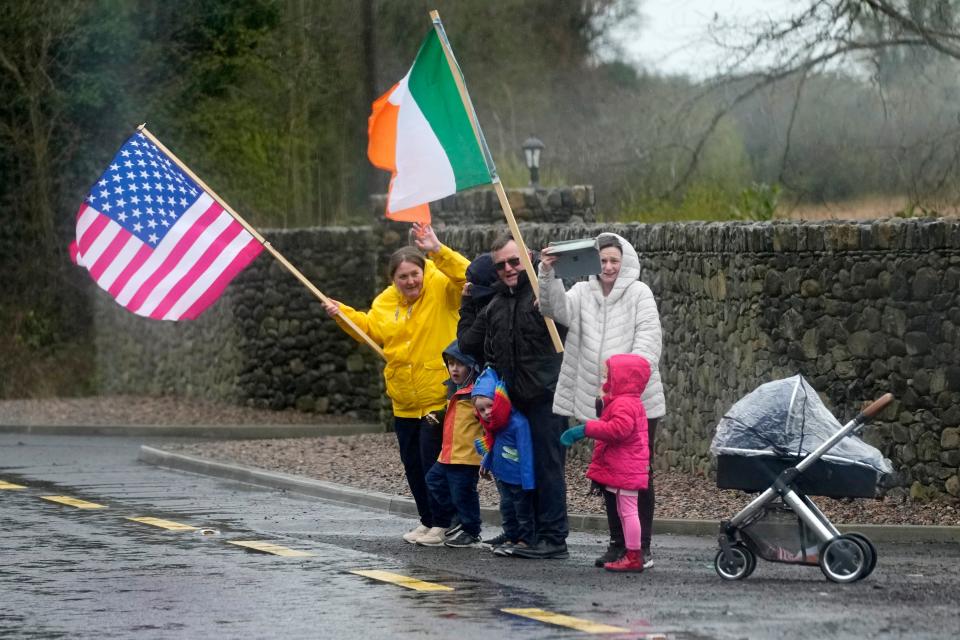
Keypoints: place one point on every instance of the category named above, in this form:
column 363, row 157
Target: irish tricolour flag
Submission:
column 421, row 131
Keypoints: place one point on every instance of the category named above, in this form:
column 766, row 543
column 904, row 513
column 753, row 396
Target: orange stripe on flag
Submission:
column 382, row 152
column 382, row 132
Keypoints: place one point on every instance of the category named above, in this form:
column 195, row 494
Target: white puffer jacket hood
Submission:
column 626, row 321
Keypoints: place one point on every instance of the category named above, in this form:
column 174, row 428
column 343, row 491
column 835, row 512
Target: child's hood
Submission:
column 627, row 375
column 490, row 385
column 453, row 351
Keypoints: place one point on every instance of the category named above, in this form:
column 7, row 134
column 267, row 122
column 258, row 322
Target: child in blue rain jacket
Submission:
column 507, row 451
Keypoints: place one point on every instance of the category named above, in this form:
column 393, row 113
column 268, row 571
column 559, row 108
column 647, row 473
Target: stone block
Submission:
column 923, row 493
column 951, row 458
column 916, row 343
column 928, row 447
column 355, row 363
column 952, row 485
column 950, row 438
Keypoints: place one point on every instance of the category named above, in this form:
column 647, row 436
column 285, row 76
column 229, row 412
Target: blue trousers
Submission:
column 420, row 443
column 453, row 490
column 516, row 513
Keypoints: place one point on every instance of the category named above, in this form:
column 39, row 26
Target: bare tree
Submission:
column 861, row 38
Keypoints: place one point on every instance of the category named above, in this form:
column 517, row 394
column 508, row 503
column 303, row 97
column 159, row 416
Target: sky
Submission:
column 673, row 35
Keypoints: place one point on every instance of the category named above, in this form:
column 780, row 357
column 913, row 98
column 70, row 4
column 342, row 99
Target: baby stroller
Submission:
column 780, row 439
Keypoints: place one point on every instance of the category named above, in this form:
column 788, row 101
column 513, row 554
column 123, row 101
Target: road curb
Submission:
column 227, row 432
column 405, row 506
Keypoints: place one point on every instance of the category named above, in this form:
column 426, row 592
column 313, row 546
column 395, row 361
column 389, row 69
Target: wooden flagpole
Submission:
column 497, row 185
column 256, row 234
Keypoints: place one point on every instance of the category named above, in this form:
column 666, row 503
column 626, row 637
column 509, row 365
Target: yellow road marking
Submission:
column 565, row 621
column 163, row 524
column 403, row 581
column 9, row 485
column 268, row 547
column 74, row 502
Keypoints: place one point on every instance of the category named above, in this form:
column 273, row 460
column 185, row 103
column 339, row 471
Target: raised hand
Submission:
column 425, row 238
column 547, row 259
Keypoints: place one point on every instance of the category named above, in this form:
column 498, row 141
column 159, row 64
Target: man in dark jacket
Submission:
column 510, row 335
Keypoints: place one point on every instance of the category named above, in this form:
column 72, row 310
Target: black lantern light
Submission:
column 532, row 147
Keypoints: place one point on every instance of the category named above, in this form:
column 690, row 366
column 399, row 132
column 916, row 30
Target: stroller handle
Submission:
column 875, row 407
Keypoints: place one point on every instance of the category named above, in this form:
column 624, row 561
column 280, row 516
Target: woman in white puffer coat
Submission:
column 611, row 313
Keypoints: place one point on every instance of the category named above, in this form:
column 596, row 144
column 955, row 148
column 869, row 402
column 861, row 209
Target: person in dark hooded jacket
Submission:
column 478, row 291
column 510, row 335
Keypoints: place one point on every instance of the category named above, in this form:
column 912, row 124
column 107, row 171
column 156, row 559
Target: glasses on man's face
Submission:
column 513, row 262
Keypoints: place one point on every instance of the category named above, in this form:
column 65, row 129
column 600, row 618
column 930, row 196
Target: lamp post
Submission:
column 532, row 147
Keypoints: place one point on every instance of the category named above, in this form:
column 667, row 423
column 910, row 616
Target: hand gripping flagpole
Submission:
column 266, row 244
column 497, row 185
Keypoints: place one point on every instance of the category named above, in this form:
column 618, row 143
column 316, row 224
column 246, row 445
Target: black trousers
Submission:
column 549, row 458
column 420, row 443
column 645, row 503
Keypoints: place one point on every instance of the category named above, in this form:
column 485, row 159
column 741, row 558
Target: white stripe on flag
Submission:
column 166, row 245
column 101, row 243
column 120, row 262
column 187, row 260
column 209, row 276
column 424, row 173
column 85, row 220
column 83, row 223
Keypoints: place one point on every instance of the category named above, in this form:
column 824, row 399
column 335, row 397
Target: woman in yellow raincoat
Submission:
column 414, row 319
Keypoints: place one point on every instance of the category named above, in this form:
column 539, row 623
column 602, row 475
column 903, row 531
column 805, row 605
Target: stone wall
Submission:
column 858, row 308
column 575, row 204
column 266, row 343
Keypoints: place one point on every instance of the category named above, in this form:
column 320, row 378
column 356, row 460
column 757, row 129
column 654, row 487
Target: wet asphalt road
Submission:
column 72, row 573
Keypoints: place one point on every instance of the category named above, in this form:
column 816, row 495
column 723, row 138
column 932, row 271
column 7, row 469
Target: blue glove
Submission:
column 573, row 434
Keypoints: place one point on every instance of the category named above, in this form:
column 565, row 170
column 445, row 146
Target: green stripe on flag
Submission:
column 433, row 87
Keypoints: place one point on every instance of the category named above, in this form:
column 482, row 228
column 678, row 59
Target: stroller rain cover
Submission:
column 786, row 418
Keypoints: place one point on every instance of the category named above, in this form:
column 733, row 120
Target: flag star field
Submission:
column 143, row 191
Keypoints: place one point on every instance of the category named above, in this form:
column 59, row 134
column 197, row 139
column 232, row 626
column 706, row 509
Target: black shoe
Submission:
column 463, row 540
column 504, row 550
column 613, row 553
column 453, row 530
column 647, row 558
column 542, row 551
column 493, row 543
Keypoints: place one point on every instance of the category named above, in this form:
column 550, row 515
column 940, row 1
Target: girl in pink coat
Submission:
column 621, row 453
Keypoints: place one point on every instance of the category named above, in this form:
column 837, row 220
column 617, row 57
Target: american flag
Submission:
column 156, row 241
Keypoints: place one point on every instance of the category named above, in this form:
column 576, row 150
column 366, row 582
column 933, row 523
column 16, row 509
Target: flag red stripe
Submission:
column 110, row 253
column 132, row 267
column 92, row 233
column 245, row 257
column 173, row 259
column 195, row 271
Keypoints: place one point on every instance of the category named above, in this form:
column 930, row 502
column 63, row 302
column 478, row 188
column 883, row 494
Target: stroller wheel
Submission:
column 845, row 559
column 742, row 563
column 871, row 552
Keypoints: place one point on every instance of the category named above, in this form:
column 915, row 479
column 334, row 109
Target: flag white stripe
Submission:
column 120, row 262
column 209, row 276
column 85, row 220
column 101, row 243
column 163, row 250
column 424, row 172
column 187, row 260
